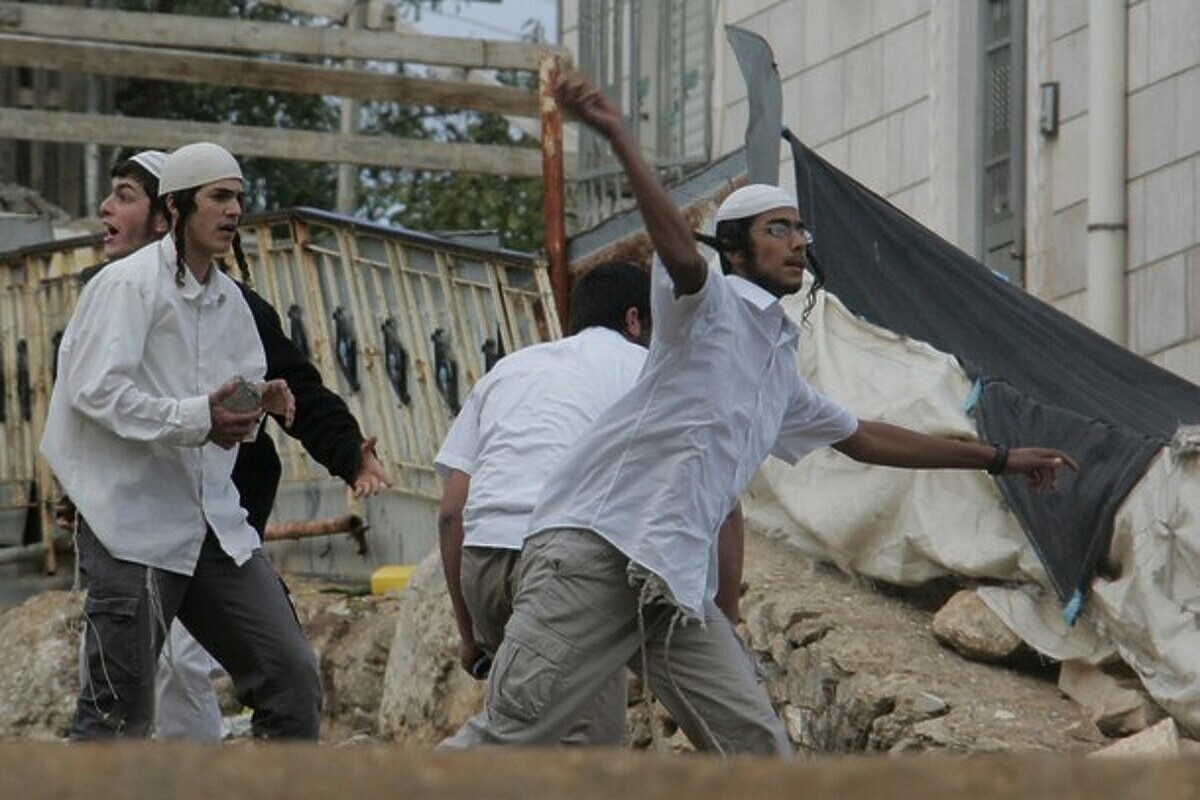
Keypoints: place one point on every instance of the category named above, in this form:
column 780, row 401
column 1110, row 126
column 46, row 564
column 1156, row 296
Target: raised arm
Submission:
column 669, row 231
column 893, row 446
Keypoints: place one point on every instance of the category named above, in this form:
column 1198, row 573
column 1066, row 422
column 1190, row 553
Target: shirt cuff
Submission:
column 195, row 418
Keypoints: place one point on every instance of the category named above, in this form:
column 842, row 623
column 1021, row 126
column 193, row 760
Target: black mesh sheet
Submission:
column 1044, row 378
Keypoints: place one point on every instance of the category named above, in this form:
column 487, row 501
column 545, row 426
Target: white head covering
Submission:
column 195, row 165
column 752, row 200
column 151, row 161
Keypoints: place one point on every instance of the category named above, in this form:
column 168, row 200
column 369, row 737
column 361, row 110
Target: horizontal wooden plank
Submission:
column 388, row 151
column 248, row 36
column 256, row 73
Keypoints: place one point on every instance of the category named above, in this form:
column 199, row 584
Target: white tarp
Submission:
column 906, row 527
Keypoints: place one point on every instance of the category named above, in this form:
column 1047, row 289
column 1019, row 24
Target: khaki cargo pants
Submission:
column 489, row 583
column 576, row 621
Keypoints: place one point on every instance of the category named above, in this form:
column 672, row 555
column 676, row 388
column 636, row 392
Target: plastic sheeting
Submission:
column 906, row 527
column 1045, row 378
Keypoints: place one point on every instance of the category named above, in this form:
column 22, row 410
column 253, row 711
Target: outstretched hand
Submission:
column 1040, row 465
column 576, row 94
column 371, row 476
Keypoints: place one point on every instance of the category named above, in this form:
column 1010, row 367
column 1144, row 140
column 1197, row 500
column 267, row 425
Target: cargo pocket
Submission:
column 113, row 638
column 526, row 674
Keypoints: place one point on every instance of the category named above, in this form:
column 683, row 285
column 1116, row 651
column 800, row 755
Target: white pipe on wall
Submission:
column 1106, row 214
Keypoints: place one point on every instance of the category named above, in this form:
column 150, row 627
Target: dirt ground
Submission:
column 884, row 634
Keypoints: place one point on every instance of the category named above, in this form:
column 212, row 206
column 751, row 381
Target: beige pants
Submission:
column 489, row 583
column 577, row 621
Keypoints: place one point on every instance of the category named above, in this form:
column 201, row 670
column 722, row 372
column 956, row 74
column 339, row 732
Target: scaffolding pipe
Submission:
column 351, row 524
column 1106, row 205
column 553, row 202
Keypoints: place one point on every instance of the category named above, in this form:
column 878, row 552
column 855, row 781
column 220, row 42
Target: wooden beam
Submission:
column 296, row 145
column 185, row 66
column 249, row 36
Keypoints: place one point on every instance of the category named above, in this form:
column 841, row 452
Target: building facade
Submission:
column 1058, row 141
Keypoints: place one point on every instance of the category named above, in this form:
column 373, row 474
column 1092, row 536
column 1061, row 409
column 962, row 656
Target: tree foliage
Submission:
column 432, row 201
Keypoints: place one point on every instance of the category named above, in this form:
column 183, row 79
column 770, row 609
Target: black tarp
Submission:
column 1044, row 379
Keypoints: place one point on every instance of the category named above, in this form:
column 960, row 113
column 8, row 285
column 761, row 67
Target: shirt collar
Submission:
column 752, row 292
column 763, row 300
column 212, row 291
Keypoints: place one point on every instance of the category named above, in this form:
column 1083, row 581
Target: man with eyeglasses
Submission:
column 620, row 565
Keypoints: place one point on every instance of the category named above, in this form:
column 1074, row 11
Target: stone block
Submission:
column 967, row 625
column 850, row 23
column 864, row 83
column 1187, row 109
column 906, row 64
column 1067, row 16
column 1067, row 267
column 869, row 155
column 1117, row 707
column 895, row 13
column 1068, row 166
column 908, row 147
column 821, row 106
column 1183, row 360
column 1171, row 209
column 1174, row 37
column 1138, row 34
column 1152, row 127
column 1161, row 740
column 1158, row 313
column 1071, row 72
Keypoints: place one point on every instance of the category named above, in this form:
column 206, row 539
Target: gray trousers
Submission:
column 576, row 621
column 242, row 615
column 489, row 583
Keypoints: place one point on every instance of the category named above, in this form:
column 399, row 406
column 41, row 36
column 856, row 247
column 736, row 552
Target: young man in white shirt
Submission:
column 620, row 565
column 134, row 216
column 505, row 443
column 144, row 423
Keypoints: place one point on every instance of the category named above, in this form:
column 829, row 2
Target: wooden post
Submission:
column 347, row 174
column 553, row 203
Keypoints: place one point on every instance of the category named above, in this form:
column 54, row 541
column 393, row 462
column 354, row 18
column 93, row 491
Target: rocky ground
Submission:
column 852, row 667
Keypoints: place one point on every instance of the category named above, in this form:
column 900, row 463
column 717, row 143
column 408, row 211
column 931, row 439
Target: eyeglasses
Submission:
column 782, row 229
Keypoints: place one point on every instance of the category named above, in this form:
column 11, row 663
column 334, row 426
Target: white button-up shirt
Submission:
column 521, row 416
column 658, row 472
column 129, row 412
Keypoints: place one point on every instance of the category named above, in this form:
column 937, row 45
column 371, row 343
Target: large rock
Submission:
column 352, row 636
column 39, row 674
column 968, row 625
column 39, row 660
column 426, row 696
column 1119, row 703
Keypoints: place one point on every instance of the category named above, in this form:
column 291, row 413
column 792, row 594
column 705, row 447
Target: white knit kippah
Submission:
column 151, row 161
column 195, row 165
column 752, row 200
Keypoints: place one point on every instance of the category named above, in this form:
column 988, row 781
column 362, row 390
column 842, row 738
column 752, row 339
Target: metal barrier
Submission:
column 401, row 324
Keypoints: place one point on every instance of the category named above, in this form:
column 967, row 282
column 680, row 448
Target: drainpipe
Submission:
column 1106, row 221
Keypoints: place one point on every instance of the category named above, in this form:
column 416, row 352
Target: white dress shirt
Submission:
column 129, row 411
column 658, row 471
column 521, row 416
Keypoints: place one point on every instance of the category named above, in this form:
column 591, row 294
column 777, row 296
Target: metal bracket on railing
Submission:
column 346, row 347
column 24, row 388
column 395, row 360
column 298, row 335
column 445, row 369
